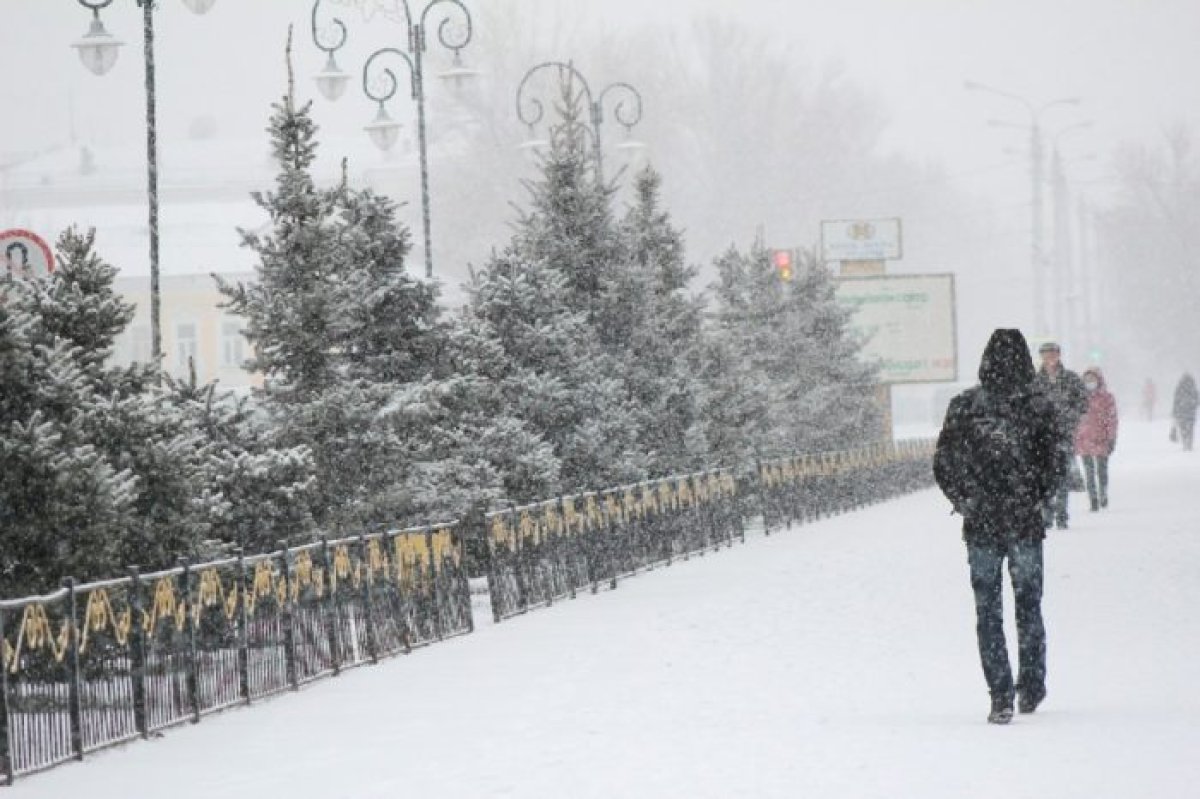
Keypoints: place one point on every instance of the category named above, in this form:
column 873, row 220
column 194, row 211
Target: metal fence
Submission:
column 94, row 665
column 804, row 488
column 551, row 550
column 541, row 553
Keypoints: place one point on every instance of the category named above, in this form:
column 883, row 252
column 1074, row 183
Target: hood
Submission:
column 1096, row 373
column 1007, row 366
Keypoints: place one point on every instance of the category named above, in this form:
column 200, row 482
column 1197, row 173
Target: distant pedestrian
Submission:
column 1065, row 391
column 1149, row 399
column 998, row 459
column 1096, row 437
column 1184, row 410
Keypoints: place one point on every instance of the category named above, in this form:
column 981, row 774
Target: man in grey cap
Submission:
column 1067, row 394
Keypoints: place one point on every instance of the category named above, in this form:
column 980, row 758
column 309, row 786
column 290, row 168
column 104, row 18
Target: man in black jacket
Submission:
column 1183, row 410
column 1067, row 394
column 998, row 460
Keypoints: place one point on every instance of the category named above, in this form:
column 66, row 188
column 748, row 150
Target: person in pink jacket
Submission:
column 1096, row 436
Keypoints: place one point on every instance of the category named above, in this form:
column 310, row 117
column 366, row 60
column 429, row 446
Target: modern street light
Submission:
column 1065, row 316
column 1035, row 172
column 530, row 110
column 98, row 50
column 383, row 129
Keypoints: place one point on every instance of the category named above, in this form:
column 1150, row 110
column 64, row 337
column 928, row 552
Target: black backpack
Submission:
column 1000, row 450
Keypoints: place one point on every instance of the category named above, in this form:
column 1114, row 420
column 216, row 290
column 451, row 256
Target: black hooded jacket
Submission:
column 1186, row 399
column 997, row 457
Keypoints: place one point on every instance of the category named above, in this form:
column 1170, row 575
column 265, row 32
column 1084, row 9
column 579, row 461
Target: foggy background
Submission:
column 764, row 117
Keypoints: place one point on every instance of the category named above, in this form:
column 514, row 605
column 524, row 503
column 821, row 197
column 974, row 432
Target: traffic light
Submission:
column 783, row 264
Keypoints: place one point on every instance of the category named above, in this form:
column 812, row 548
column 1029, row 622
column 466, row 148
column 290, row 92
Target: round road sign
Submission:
column 25, row 253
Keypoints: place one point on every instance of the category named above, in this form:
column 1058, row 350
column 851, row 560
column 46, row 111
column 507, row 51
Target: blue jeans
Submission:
column 1055, row 510
column 1026, row 569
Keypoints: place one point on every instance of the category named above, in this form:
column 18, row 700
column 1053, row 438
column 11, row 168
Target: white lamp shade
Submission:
column 458, row 75
column 633, row 153
column 98, row 48
column 383, row 130
column 199, row 6
column 332, row 81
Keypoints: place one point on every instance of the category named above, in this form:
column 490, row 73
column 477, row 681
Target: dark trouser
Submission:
column 1025, row 569
column 1187, row 428
column 1055, row 509
column 1095, row 471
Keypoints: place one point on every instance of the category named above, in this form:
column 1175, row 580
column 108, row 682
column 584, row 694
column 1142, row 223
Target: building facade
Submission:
column 196, row 331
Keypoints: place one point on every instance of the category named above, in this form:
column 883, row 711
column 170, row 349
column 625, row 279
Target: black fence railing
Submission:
column 804, row 488
column 551, row 550
column 94, row 665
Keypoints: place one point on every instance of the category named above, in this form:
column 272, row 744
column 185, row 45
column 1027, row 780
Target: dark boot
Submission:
column 1002, row 710
column 1028, row 699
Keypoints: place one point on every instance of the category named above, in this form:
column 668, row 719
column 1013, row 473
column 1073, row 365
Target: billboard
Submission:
column 860, row 240
column 908, row 323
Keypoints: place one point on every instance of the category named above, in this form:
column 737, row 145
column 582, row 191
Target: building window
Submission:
column 186, row 346
column 232, row 345
column 139, row 344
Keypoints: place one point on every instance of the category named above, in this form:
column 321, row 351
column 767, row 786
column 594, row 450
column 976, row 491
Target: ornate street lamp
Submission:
column 98, row 51
column 382, row 84
column 627, row 109
column 331, row 81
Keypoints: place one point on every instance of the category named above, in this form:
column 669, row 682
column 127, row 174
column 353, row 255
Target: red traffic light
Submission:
column 783, row 263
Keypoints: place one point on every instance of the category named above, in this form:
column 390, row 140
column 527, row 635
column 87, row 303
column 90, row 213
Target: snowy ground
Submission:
column 835, row 660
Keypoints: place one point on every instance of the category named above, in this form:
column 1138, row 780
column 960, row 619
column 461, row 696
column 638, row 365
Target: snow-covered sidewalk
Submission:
column 834, row 660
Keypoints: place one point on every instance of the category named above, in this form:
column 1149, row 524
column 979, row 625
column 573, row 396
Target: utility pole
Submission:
column 1037, row 258
column 1037, row 254
column 1062, row 247
column 1087, row 275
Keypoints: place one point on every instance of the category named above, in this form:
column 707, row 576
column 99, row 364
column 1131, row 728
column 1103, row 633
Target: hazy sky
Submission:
column 1132, row 62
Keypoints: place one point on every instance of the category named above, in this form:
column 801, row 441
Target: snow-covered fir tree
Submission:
column 63, row 506
column 138, row 426
column 655, row 330
column 735, row 402
column 569, row 222
column 782, row 373
column 265, row 491
column 487, row 453
column 830, row 397
column 296, row 319
column 351, row 347
column 542, row 308
column 106, row 472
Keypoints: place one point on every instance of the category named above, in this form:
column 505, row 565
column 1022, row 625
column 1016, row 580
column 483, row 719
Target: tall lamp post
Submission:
column 98, row 50
column 1063, row 251
column 530, row 110
column 1035, row 173
column 383, row 130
